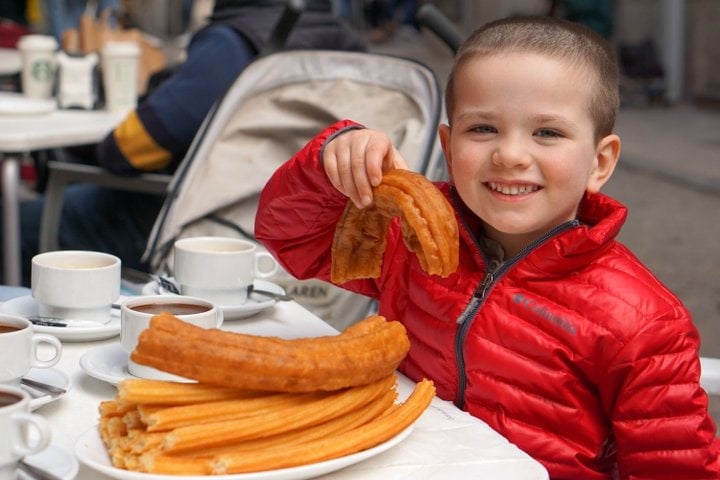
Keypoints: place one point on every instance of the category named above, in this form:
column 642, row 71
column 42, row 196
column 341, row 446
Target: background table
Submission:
column 10, row 61
column 20, row 134
column 446, row 443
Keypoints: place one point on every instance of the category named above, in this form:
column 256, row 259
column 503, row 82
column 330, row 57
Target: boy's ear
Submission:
column 444, row 134
column 606, row 158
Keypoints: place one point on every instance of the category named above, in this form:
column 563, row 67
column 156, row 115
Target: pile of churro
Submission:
column 225, row 427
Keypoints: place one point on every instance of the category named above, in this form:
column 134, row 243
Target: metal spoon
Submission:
column 277, row 296
column 44, row 387
column 166, row 284
column 60, row 322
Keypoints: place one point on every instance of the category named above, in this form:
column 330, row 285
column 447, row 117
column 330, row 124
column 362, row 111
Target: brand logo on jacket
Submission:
column 543, row 312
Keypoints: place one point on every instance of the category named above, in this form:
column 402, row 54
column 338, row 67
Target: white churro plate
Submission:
column 91, row 451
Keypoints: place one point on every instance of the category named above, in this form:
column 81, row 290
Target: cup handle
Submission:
column 21, row 446
column 37, row 340
column 262, row 257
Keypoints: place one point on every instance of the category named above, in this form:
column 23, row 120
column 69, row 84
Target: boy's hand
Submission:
column 355, row 160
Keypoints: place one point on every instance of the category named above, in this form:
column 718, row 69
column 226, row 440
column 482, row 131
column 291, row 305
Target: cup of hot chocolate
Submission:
column 16, row 424
column 135, row 316
column 22, row 349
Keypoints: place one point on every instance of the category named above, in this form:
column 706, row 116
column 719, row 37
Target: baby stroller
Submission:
column 274, row 107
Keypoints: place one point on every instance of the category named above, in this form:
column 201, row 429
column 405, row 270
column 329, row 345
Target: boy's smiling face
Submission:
column 522, row 151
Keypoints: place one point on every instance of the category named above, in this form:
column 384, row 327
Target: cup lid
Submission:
column 36, row 41
column 121, row 48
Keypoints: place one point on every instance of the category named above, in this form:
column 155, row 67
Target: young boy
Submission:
column 550, row 331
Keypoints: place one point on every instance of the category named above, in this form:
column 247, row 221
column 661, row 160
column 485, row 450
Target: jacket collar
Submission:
column 601, row 218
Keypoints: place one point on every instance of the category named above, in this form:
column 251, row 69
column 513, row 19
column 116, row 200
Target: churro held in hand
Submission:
column 427, row 220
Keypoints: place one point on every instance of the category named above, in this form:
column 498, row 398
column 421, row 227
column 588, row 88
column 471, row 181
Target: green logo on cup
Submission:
column 42, row 71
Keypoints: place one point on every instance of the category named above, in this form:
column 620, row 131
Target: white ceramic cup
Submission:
column 38, row 65
column 220, row 268
column 76, row 285
column 22, row 349
column 16, row 424
column 135, row 315
column 120, row 61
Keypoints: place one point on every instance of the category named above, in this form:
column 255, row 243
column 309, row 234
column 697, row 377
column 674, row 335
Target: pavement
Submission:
column 669, row 178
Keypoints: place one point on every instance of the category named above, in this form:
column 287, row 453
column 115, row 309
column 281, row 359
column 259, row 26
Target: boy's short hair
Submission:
column 560, row 39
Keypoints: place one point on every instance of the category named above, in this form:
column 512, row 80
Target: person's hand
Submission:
column 355, row 160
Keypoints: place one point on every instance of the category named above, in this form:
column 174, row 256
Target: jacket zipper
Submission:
column 468, row 315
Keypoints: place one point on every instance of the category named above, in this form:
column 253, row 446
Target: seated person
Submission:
column 156, row 136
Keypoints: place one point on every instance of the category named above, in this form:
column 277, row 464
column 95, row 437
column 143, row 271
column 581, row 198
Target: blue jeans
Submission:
column 94, row 218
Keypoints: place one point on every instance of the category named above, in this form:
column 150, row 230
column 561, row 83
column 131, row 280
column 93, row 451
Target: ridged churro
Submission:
column 251, row 362
column 145, row 391
column 332, row 446
column 310, row 410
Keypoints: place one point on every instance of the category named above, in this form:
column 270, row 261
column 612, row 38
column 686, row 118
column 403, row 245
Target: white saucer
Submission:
column 26, row 306
column 51, row 376
column 54, row 460
column 108, row 363
column 255, row 303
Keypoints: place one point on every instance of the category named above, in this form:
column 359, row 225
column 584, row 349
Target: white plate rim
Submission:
column 26, row 305
column 232, row 312
column 89, row 446
column 43, row 375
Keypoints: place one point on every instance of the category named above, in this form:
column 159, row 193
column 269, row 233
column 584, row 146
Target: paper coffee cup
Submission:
column 38, row 65
column 120, row 75
column 22, row 349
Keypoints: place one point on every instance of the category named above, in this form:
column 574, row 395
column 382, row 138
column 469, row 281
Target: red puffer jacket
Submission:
column 572, row 350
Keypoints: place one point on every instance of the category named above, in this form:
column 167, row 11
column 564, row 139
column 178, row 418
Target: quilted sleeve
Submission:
column 659, row 411
column 298, row 211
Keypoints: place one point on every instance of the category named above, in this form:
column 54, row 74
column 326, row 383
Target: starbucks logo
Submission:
column 42, row 71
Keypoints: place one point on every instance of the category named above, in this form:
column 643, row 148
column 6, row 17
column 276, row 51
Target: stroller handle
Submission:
column 284, row 25
column 429, row 16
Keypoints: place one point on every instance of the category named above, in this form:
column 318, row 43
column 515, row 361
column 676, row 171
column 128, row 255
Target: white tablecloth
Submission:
column 446, row 443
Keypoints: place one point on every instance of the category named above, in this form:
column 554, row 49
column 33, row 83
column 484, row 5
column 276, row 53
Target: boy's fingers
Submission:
column 396, row 160
column 355, row 161
column 361, row 161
